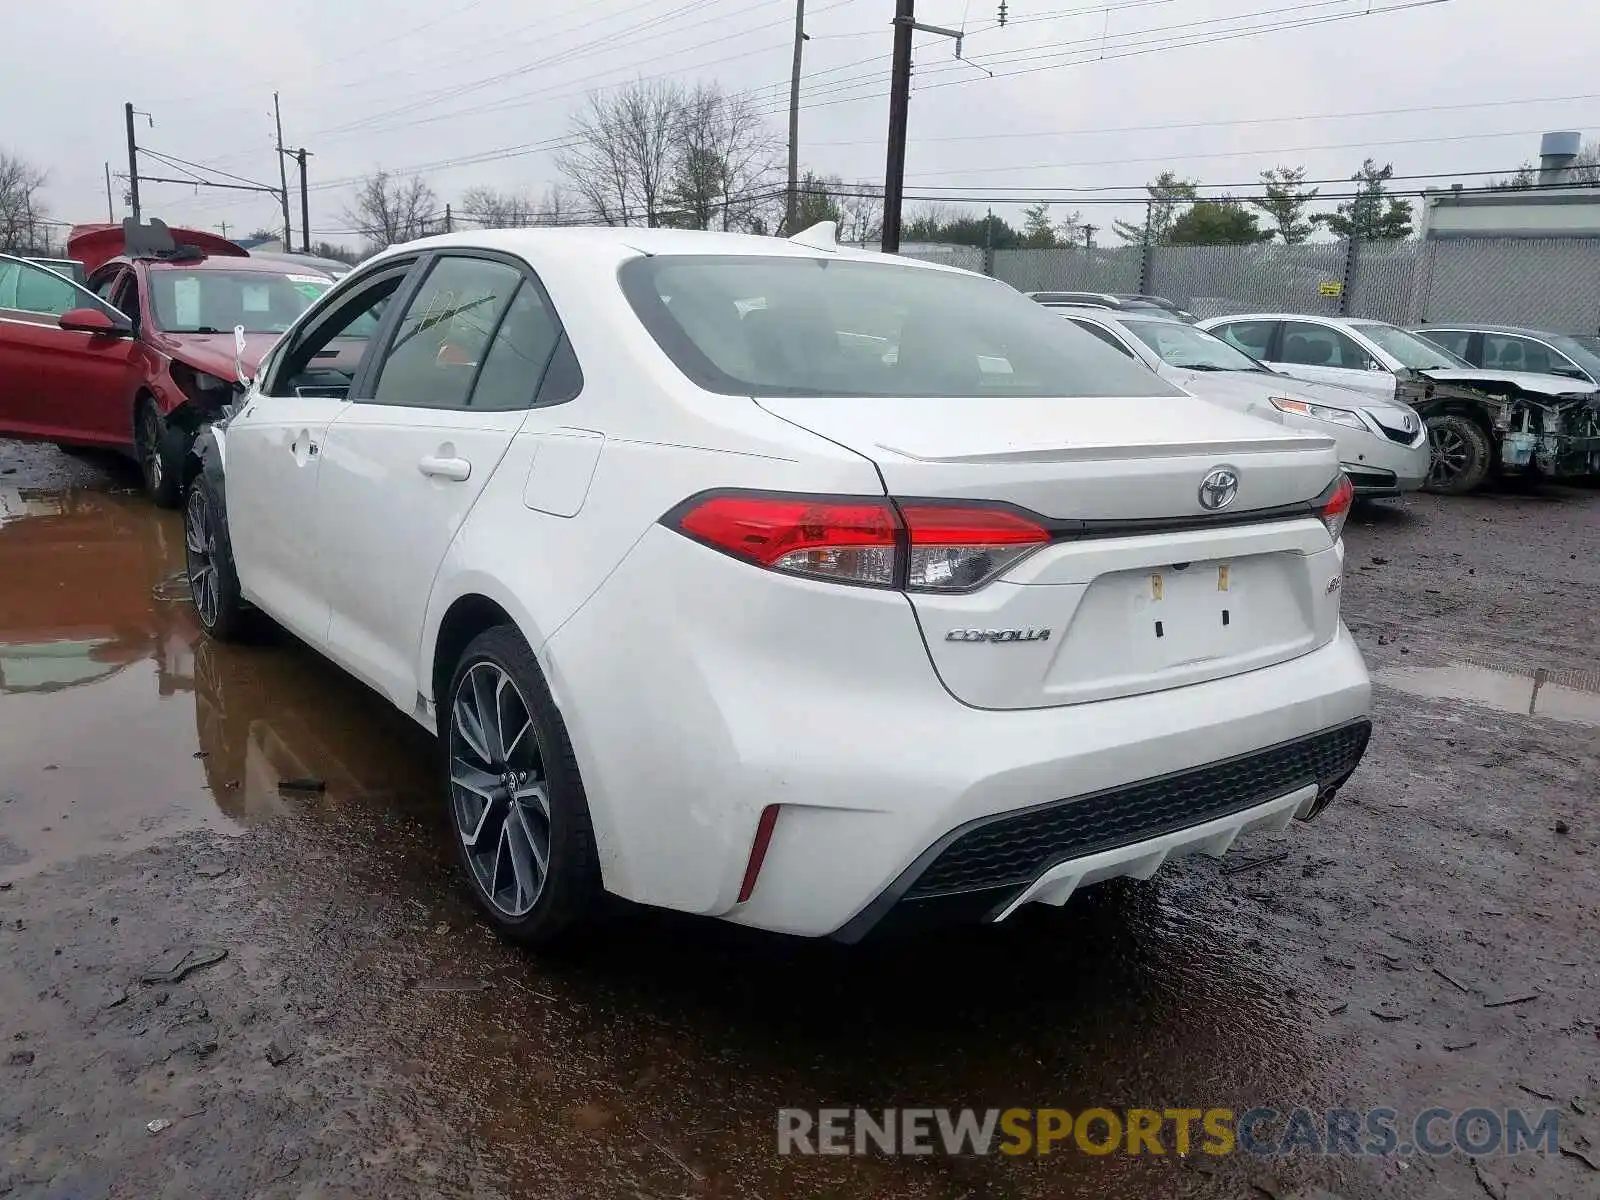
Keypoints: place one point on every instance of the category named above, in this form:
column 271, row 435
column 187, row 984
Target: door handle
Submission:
column 303, row 443
column 457, row 469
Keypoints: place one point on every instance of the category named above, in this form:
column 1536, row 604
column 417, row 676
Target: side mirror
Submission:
column 93, row 320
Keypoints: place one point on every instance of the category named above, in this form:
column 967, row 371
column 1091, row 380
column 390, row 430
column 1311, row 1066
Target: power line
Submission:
column 1230, row 122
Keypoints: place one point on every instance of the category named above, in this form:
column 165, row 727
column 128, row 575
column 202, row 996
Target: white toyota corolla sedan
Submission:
column 801, row 586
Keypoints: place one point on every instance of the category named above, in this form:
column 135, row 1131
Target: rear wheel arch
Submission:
column 468, row 616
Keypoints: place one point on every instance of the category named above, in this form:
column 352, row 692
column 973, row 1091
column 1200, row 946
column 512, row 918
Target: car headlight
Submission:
column 1300, row 408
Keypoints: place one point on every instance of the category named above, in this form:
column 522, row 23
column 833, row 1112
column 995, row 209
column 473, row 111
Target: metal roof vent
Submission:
column 1557, row 154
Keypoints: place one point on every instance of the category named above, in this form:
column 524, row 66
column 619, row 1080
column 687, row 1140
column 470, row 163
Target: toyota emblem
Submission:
column 1218, row 489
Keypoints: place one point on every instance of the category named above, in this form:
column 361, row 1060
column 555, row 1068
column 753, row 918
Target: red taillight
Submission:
column 848, row 540
column 1337, row 508
column 758, row 851
column 917, row 545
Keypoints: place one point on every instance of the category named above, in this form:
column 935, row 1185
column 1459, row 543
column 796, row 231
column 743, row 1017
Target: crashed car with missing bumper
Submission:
column 1480, row 420
column 144, row 353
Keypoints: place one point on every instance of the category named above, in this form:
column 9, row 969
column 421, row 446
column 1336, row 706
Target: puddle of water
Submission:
column 121, row 724
column 1540, row 694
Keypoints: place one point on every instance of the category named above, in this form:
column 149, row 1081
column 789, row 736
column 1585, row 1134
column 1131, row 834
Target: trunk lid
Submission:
column 1170, row 595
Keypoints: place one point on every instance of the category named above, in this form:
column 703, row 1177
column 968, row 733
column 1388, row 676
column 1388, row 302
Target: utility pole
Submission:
column 111, row 213
column 305, row 202
column 791, row 208
column 899, row 110
column 133, row 163
column 224, row 227
column 1088, row 238
column 283, row 177
column 905, row 22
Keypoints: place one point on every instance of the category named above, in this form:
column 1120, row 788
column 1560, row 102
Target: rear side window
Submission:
column 444, row 335
column 791, row 326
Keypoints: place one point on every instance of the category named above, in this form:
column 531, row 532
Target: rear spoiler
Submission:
column 95, row 245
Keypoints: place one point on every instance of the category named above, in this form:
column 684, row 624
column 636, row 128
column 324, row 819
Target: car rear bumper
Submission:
column 990, row 867
column 699, row 692
column 1108, row 788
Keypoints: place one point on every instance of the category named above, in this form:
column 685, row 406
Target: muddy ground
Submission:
column 1432, row 939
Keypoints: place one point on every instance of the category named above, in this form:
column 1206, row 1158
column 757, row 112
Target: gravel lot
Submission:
column 1431, row 940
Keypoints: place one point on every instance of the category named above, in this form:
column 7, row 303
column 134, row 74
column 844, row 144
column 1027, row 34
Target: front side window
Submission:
column 443, row 337
column 793, row 326
column 30, row 289
column 1308, row 345
column 1453, row 340
column 1410, row 350
column 1105, row 335
column 1194, row 349
column 323, row 355
column 215, row 300
column 1253, row 337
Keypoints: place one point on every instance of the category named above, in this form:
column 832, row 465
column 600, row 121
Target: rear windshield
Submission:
column 771, row 326
column 215, row 300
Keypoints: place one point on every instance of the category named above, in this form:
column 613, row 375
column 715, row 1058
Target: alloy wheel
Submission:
column 498, row 790
column 200, row 542
column 1449, row 455
column 150, row 447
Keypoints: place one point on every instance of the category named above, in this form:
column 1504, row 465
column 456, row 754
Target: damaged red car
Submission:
column 144, row 354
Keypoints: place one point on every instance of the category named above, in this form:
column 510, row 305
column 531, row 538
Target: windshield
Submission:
column 790, row 326
column 214, row 301
column 1185, row 346
column 1410, row 350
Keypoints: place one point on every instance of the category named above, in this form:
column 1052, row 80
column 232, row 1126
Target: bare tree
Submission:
column 861, row 214
column 494, row 209
column 625, row 148
column 21, row 209
column 389, row 210
column 725, row 155
column 555, row 207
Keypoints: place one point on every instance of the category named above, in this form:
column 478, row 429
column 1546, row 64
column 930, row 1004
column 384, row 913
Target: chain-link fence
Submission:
column 1543, row 283
column 1071, row 269
column 968, row 258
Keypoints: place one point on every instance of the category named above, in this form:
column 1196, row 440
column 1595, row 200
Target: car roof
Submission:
column 620, row 242
column 1475, row 327
column 1153, row 315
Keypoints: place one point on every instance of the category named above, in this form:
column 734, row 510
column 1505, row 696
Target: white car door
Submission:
column 1325, row 354
column 403, row 465
column 275, row 453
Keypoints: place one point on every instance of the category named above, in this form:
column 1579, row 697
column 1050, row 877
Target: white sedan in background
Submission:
column 1382, row 444
column 715, row 604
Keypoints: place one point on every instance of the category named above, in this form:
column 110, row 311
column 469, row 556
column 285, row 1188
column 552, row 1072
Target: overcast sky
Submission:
column 1454, row 86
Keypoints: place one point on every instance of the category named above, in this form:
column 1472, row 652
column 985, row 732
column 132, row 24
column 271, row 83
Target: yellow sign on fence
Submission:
column 1330, row 287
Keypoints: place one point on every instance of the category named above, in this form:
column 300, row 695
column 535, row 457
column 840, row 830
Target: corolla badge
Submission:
column 998, row 635
column 1218, row 488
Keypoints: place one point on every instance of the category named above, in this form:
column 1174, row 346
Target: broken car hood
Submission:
column 1527, row 381
column 213, row 352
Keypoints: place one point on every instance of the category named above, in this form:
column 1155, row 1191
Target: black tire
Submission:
column 160, row 451
column 569, row 894
column 1461, row 455
column 208, row 561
